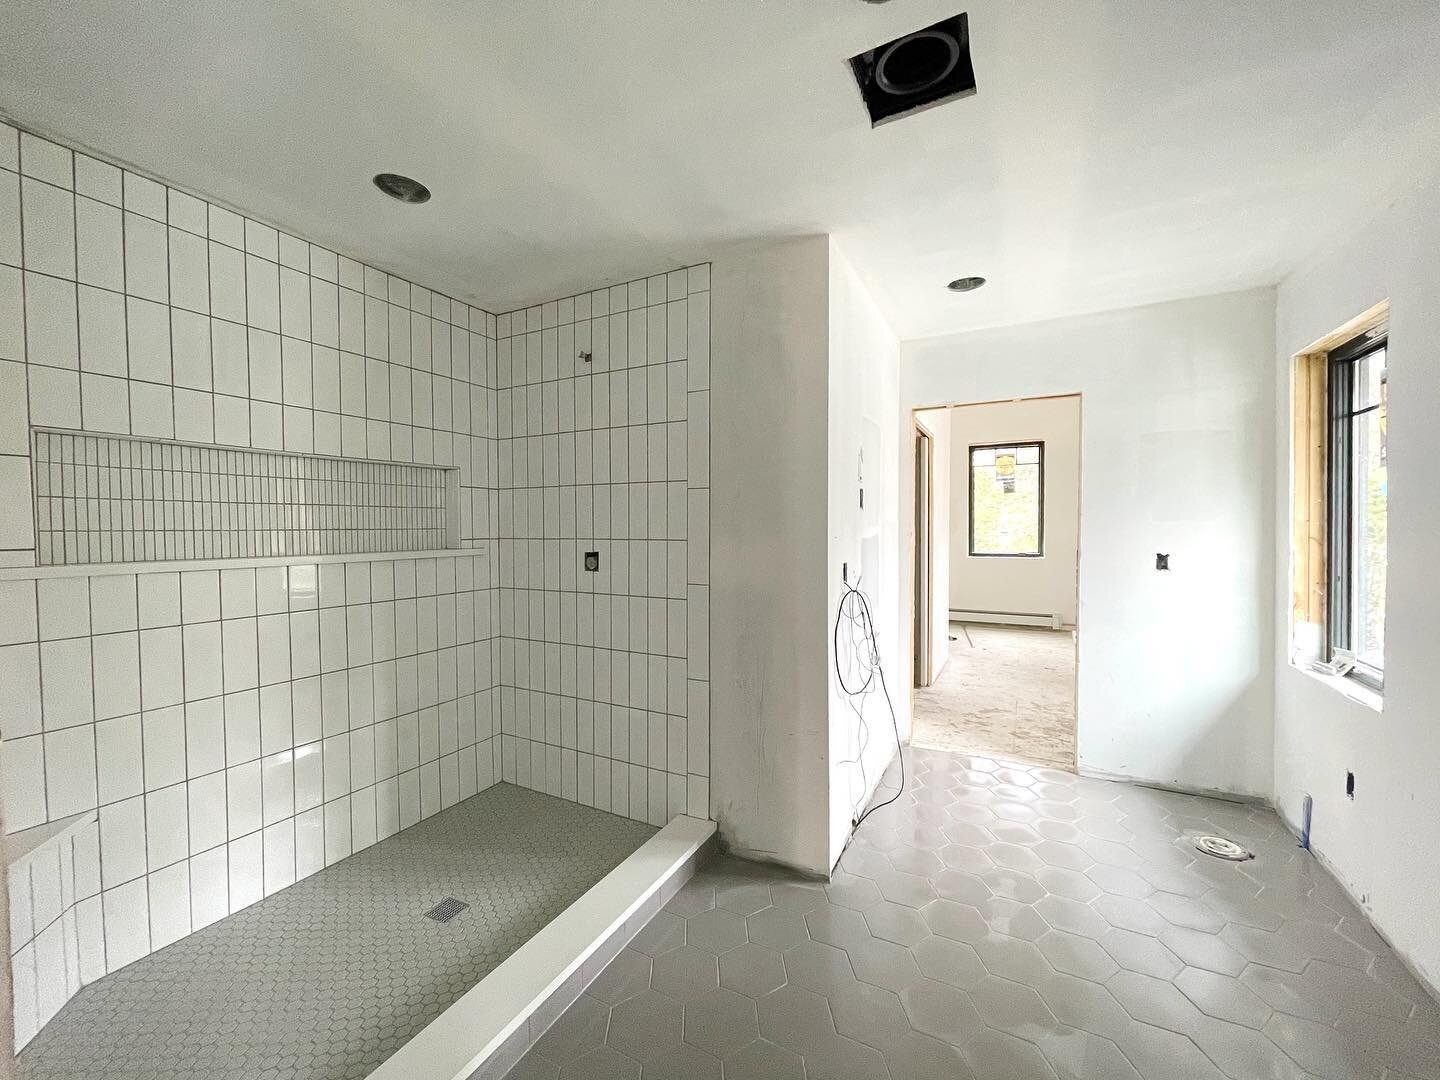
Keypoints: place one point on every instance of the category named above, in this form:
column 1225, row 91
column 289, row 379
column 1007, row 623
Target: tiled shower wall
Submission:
column 130, row 307
column 237, row 728
column 232, row 725
column 604, row 426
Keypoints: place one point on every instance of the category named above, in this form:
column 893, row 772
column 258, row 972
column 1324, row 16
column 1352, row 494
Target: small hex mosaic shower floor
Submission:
column 1007, row 923
column 326, row 979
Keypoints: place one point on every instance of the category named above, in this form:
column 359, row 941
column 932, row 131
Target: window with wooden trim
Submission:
column 1341, row 493
column 1358, row 495
column 1007, row 500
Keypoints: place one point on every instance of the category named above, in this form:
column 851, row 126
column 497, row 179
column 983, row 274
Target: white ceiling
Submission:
column 1117, row 151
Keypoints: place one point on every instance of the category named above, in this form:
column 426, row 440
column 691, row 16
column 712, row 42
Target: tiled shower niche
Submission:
column 106, row 498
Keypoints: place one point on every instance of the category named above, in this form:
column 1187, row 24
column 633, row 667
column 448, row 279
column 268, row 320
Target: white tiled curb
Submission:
column 485, row 1033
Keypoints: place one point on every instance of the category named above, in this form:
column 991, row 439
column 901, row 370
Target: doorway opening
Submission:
column 996, row 558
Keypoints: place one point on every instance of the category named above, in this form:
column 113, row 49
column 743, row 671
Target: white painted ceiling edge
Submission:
column 1114, row 155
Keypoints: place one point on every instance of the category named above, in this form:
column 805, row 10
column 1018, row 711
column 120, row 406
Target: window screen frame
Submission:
column 1341, row 365
column 1039, row 552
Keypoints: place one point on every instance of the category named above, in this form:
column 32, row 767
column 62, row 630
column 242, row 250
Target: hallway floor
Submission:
column 326, row 979
column 1009, row 923
column 1006, row 692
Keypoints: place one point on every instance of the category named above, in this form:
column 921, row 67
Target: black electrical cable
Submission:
column 854, row 609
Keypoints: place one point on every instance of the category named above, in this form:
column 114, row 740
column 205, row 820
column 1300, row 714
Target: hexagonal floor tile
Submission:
column 869, row 1015
column 752, row 970
column 818, row 967
column 795, row 1018
column 883, row 963
column 646, row 1027
column 779, row 928
column 715, row 930
column 941, row 1011
column 685, row 973
column 994, row 1053
column 764, row 1060
column 721, row 1022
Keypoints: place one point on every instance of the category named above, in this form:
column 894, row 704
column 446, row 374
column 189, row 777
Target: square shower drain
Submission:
column 446, row 909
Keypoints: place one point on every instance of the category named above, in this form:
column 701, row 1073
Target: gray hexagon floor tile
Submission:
column 1009, row 921
column 326, row 979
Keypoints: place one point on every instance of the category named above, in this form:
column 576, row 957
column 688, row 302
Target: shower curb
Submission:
column 485, row 1033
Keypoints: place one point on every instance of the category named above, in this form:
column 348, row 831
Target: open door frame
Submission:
column 924, row 564
column 917, row 627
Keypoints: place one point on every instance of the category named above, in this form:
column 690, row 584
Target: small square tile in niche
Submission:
column 592, row 562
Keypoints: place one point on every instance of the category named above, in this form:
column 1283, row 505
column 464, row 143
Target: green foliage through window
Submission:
column 1007, row 485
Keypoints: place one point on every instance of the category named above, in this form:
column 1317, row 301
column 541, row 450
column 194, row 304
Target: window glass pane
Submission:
column 1005, row 500
column 1369, row 492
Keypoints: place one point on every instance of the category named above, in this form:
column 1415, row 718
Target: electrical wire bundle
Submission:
column 857, row 671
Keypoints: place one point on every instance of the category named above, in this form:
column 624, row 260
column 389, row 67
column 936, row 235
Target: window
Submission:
column 1356, row 504
column 1007, row 499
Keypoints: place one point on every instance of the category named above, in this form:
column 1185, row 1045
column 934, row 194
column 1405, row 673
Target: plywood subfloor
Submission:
column 1005, row 692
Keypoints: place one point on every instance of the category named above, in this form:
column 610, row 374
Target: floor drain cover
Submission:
column 1222, row 848
column 446, row 909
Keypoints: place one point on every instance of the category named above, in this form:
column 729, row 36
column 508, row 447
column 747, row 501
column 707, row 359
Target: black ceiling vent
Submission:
column 913, row 72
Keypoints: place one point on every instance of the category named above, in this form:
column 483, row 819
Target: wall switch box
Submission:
column 592, row 562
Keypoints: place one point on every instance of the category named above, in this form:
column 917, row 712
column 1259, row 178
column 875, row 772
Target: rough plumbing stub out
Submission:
column 1221, row 848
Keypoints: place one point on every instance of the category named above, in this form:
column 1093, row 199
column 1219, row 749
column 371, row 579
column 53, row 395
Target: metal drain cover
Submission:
column 446, row 909
column 1221, row 848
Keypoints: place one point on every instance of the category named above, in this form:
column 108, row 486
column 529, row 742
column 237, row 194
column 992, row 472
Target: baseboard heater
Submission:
column 1007, row 618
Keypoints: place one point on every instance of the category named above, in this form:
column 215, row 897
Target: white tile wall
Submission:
column 238, row 728
column 133, row 308
column 191, row 710
column 117, row 498
column 604, row 446
column 56, row 940
column 222, row 771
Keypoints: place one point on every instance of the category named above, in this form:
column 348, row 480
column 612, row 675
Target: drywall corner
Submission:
column 769, row 332
column 864, row 539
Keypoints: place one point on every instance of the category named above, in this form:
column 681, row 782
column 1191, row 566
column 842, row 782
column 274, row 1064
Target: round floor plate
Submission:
column 1221, row 848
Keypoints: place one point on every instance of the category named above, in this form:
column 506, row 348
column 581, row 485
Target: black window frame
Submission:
column 1039, row 552
column 1341, row 365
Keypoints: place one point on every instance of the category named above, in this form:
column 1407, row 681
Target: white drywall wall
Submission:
column 768, row 645
column 1382, row 844
column 864, row 412
column 942, row 488
column 1038, row 586
column 1175, row 669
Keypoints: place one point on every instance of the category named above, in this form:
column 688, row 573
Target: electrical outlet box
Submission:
column 592, row 562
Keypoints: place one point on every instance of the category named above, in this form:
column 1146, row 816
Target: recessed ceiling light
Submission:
column 402, row 187
column 965, row 284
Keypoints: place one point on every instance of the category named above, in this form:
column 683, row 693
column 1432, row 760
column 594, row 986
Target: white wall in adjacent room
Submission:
column 1381, row 844
column 1035, row 586
column 1175, row 669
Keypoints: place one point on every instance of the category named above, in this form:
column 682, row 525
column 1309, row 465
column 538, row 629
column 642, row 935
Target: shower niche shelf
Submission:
column 121, row 499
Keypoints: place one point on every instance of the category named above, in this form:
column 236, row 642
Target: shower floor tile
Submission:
column 326, row 979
